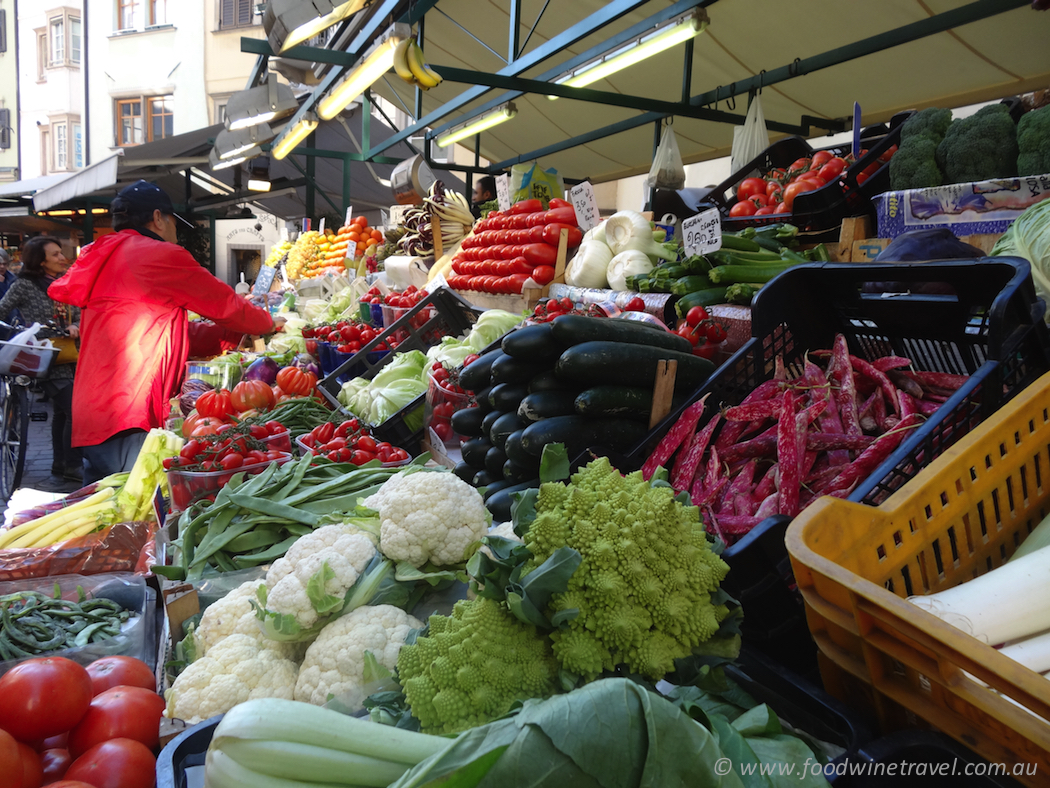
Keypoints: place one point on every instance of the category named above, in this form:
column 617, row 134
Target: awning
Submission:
column 31, row 186
column 86, row 181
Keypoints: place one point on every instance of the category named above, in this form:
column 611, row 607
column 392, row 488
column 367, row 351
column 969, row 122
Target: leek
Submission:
column 589, row 268
column 629, row 230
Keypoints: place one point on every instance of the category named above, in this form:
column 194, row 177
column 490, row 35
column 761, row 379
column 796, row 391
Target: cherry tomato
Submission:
column 117, row 670
column 190, row 449
column 361, row 457
column 231, row 461
column 686, row 331
column 716, row 332
column 119, row 713
column 366, row 443
column 117, row 763
column 745, row 208
column 565, row 304
column 636, row 304
column 43, row 697
column 799, row 165
column 758, row 200
column 833, row 169
column 820, row 158
column 54, row 763
column 443, row 430
column 706, row 350
column 696, row 315
column 749, row 187
column 765, row 210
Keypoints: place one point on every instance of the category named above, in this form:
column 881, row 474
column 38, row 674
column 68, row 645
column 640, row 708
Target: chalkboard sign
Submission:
column 264, row 280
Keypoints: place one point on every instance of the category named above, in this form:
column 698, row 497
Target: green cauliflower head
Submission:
column 643, row 588
column 473, row 666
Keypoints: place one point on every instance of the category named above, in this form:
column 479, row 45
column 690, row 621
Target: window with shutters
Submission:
column 58, row 41
column 127, row 14
column 61, row 147
column 3, row 30
column 235, row 13
column 144, row 119
column 5, row 128
column 74, row 40
column 158, row 12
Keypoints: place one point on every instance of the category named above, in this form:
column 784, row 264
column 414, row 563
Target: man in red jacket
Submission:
column 134, row 288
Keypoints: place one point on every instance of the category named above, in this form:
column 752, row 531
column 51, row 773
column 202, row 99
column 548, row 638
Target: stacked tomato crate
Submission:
column 514, row 250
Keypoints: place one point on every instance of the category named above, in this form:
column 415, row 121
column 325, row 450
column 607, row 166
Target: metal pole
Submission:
column 420, row 30
column 311, row 167
column 515, row 29
column 89, row 222
column 346, row 183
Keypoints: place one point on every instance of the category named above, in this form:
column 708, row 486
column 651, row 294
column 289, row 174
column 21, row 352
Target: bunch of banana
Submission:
column 411, row 67
column 453, row 211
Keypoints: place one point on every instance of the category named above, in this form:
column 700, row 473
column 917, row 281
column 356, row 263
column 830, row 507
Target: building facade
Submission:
column 8, row 93
column 50, row 86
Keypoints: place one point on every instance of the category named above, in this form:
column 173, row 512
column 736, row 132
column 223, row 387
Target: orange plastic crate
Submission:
column 962, row 516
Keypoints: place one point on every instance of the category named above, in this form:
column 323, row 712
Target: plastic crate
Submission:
column 991, row 330
column 181, row 762
column 960, row 517
column 822, row 208
column 449, row 315
column 920, row 759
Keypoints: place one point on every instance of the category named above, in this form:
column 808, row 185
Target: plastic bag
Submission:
column 667, row 171
column 752, row 138
column 114, row 549
column 26, row 355
column 528, row 181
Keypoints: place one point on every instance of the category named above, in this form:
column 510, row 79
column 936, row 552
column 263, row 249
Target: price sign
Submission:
column 503, row 192
column 397, row 214
column 582, row 198
column 264, row 280
column 702, row 233
column 349, row 215
column 320, row 227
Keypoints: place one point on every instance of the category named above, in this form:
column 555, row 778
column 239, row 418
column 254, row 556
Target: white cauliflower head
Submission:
column 234, row 615
column 429, row 517
column 237, row 669
column 335, row 661
column 345, row 549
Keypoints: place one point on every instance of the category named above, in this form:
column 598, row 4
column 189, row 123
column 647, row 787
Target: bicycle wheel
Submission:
column 14, row 432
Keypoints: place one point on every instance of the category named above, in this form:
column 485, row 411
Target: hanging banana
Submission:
column 411, row 66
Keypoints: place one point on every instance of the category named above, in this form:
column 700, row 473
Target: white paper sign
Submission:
column 702, row 233
column 397, row 214
column 503, row 192
column 349, row 215
column 586, row 207
column 320, row 226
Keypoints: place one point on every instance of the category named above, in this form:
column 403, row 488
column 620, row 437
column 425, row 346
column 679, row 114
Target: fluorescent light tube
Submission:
column 290, row 22
column 501, row 114
column 293, row 135
column 258, row 185
column 378, row 61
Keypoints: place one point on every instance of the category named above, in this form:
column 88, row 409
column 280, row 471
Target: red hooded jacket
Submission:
column 134, row 292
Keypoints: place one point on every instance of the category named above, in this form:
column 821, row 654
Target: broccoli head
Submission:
column 1033, row 142
column 931, row 123
column 914, row 165
column 980, row 147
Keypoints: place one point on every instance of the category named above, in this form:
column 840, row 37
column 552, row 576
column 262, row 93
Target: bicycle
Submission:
column 16, row 376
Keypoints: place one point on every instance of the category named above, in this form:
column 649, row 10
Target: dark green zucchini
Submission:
column 576, row 329
column 533, row 343
column 489, row 420
column 631, row 402
column 502, row 502
column 465, row 471
column 579, row 433
column 484, row 479
column 494, row 459
column 467, row 422
column 623, row 364
column 514, row 370
column 544, row 404
column 518, row 473
column 477, row 375
column 473, row 452
column 504, row 426
column 512, row 446
column 495, row 487
column 548, row 381
column 507, row 396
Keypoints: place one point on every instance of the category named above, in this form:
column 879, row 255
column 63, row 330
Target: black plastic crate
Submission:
column 178, row 762
column 990, row 329
column 922, row 759
column 444, row 314
column 823, row 208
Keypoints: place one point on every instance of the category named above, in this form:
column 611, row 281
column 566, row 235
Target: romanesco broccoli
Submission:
column 1033, row 142
column 473, row 666
column 980, row 147
column 643, row 588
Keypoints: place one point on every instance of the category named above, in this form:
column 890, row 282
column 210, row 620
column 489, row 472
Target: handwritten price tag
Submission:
column 264, row 280
column 702, row 233
column 349, row 215
column 582, row 198
column 503, row 192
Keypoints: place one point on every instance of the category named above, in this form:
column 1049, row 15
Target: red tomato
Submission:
column 758, row 200
column 43, row 697
column 10, row 762
column 636, row 304
column 745, row 208
column 832, row 169
column 366, row 443
column 117, row 763
column 252, row 394
column 32, row 769
column 781, row 208
column 361, row 457
column 207, row 425
column 765, row 210
column 215, row 403
column 70, row 784
column 59, row 742
column 110, row 672
column 749, row 187
column 119, row 713
column 795, row 189
column 695, row 316
column 706, row 350
column 686, row 331
column 543, row 274
column 54, row 763
column 820, row 158
column 231, row 461
column 799, row 164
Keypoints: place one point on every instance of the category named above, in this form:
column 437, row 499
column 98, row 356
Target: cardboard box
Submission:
column 965, row 208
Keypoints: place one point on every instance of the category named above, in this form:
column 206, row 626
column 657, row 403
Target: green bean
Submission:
column 265, row 556
column 253, row 540
column 275, row 508
column 87, row 632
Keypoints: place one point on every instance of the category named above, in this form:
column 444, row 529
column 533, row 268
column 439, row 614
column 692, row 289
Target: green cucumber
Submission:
column 708, row 297
column 544, row 404
column 579, row 433
column 509, row 369
column 533, row 344
column 597, row 363
column 502, row 502
column 504, row 426
column 477, row 375
column 630, row 402
column 577, row 329
column 750, row 274
column 467, row 422
column 494, row 459
column 690, row 284
column 507, row 396
column 473, row 452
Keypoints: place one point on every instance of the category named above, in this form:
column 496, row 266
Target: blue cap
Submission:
column 145, row 197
